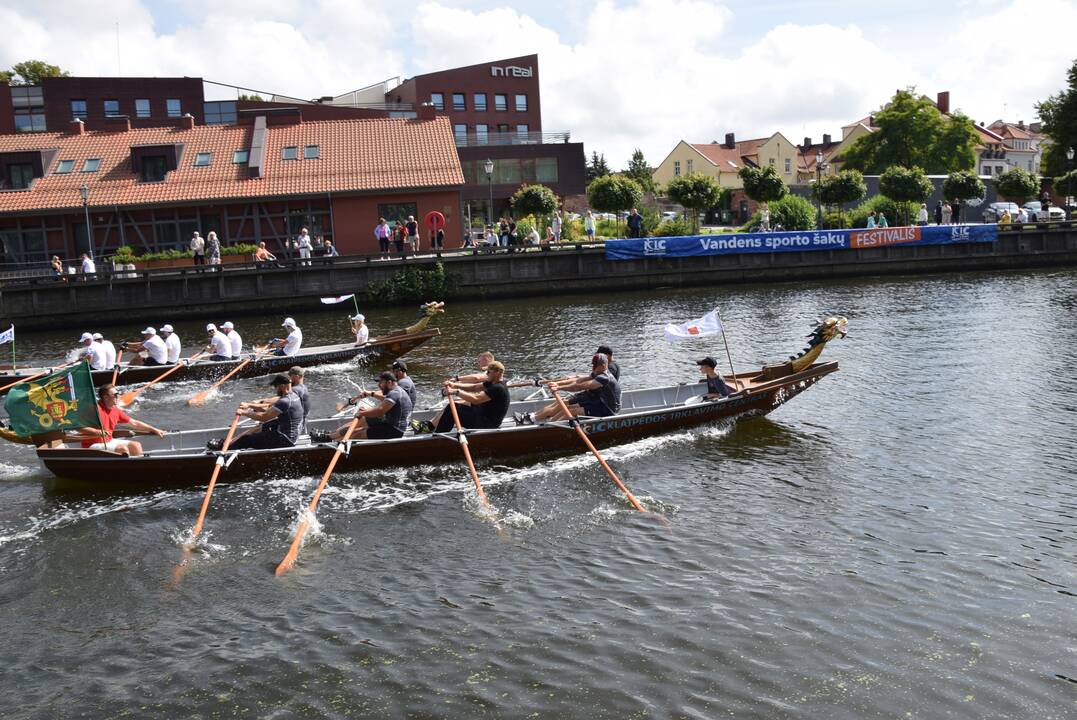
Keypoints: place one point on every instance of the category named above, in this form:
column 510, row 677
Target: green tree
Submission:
column 960, row 186
column 913, row 133
column 1067, row 184
column 905, row 185
column 30, row 72
column 762, row 184
column 252, row 97
column 1017, row 185
column 792, row 212
column 844, row 187
column 696, row 192
column 1059, row 116
column 640, row 171
column 614, row 193
column 533, row 200
column 596, row 167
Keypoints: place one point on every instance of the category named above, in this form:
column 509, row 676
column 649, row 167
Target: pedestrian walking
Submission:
column 198, row 248
column 305, row 245
column 213, row 248
column 383, row 233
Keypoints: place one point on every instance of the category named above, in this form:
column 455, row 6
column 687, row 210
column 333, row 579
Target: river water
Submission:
column 899, row 541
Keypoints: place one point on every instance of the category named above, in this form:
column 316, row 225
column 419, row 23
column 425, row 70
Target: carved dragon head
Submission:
column 824, row 332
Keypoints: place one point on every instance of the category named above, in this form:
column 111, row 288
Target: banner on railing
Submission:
column 798, row 241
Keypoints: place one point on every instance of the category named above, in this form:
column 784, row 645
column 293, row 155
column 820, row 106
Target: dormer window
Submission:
column 203, row 159
column 91, row 165
column 65, row 166
column 19, row 176
column 240, row 157
column 154, row 168
column 152, row 163
column 289, row 153
column 311, row 152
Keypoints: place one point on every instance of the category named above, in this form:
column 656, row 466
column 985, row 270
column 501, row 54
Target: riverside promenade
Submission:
column 133, row 296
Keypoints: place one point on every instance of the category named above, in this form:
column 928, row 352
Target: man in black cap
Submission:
column 716, row 387
column 281, row 421
column 597, row 395
column 405, row 383
column 385, row 421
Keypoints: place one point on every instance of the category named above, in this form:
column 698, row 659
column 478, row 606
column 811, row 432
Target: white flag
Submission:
column 8, row 335
column 335, row 300
column 709, row 324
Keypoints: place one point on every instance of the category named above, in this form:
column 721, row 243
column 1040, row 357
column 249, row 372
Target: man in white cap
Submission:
column 172, row 343
column 108, row 348
column 288, row 346
column 92, row 351
column 233, row 337
column 362, row 332
column 153, row 345
column 219, row 345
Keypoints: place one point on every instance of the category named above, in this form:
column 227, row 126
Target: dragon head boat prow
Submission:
column 426, row 312
column 825, row 331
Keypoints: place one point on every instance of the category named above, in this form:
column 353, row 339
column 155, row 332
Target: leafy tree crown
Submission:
column 905, row 184
column 963, row 185
column 614, row 193
column 533, row 200
column 762, row 184
column 1017, row 185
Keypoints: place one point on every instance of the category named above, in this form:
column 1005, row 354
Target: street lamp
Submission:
column 1069, row 169
column 84, row 191
column 488, row 166
column 818, row 180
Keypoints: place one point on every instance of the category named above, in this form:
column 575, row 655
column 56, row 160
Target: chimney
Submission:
column 943, row 102
column 1021, row 124
column 117, row 123
column 807, row 143
column 871, row 121
column 730, row 141
column 187, row 121
column 826, row 139
column 427, row 111
column 76, row 127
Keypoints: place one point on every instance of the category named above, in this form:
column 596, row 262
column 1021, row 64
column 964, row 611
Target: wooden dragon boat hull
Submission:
column 181, row 458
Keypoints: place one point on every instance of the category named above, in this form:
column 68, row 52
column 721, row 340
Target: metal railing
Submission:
column 511, row 138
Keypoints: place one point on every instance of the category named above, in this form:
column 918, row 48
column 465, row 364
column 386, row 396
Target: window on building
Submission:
column 501, row 103
column 507, row 172
column 771, row 161
column 311, row 152
column 479, row 101
column 112, row 108
column 502, row 127
column 999, row 169
column 154, row 168
column 522, row 130
column 221, row 112
column 395, row 212
column 521, row 103
column 460, row 134
column 27, row 97
column 173, row 107
column 689, row 166
column 91, row 165
column 439, row 100
column 459, row 102
column 546, row 170
column 65, row 167
column 482, row 134
column 1030, row 166
column 676, row 168
column 788, row 165
column 78, row 109
column 986, row 170
column 203, row 159
column 289, row 153
column 20, row 175
column 25, row 246
column 239, row 157
column 29, row 119
column 142, row 107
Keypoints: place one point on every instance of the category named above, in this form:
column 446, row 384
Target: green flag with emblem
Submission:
column 64, row 400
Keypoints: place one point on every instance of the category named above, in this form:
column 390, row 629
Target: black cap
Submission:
column 707, row 361
column 399, row 365
column 387, row 376
column 280, row 380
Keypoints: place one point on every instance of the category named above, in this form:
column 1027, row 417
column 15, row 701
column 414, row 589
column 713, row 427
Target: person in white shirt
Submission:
column 88, row 267
column 198, row 248
column 108, row 348
column 154, row 347
column 233, row 338
column 172, row 343
column 305, row 245
column 1022, row 216
column 219, row 345
column 362, row 332
column 93, row 352
column 290, row 345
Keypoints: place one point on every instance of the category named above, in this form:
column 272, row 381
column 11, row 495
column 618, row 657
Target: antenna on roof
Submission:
column 118, row 72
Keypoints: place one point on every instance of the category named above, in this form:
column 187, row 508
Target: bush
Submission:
column 762, row 184
column 892, row 209
column 414, row 284
column 698, row 193
column 673, row 228
column 962, row 185
column 1016, row 185
column 651, row 220
column 614, row 193
column 572, row 230
column 792, row 212
column 536, row 200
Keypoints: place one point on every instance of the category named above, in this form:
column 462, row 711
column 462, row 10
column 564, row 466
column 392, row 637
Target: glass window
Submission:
column 29, row 119
column 546, row 170
column 439, row 100
column 91, row 165
column 521, row 130
column 788, row 165
column 689, row 166
column 521, row 103
column 154, row 168
column 395, row 212
column 172, row 105
column 112, row 108
column 20, row 176
column 479, row 101
column 507, row 171
column 502, row 127
column 482, row 133
column 289, row 153
column 501, row 102
column 311, row 152
column 771, row 161
column 987, row 170
column 142, row 107
column 203, row 159
column 78, row 109
column 239, row 157
column 222, row 112
column 27, row 97
column 676, row 168
column 460, row 133
column 458, row 101
column 65, row 167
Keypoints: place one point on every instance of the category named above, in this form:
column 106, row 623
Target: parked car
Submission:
column 994, row 211
column 670, row 215
column 1037, row 214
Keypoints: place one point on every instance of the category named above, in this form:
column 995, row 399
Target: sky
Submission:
column 616, row 74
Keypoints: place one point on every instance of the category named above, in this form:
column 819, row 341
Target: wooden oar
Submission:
column 587, row 441
column 116, row 369
column 293, row 552
column 129, row 397
column 213, row 478
column 43, row 373
column 200, row 398
column 462, row 437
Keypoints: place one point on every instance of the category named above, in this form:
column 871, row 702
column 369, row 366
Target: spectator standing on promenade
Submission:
column 305, row 245
column 946, row 212
column 938, row 213
column 58, row 269
column 589, row 225
column 198, row 248
column 400, row 238
column 551, row 237
column 635, row 224
column 956, row 212
column 88, row 266
column 921, row 217
column 383, row 233
column 213, row 248
column 437, row 242
column 872, row 224
column 413, row 232
column 881, row 222
column 555, row 226
column 764, row 217
column 503, row 232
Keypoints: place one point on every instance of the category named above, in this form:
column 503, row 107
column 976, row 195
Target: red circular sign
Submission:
column 435, row 220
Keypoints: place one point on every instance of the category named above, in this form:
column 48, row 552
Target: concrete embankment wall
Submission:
column 48, row 304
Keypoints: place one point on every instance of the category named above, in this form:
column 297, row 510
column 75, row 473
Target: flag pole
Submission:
column 721, row 324
column 354, row 300
column 12, row 348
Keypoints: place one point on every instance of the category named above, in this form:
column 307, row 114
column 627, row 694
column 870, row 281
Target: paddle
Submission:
column 462, row 437
column 116, row 369
column 43, row 373
column 587, row 441
column 289, row 560
column 200, row 398
column 129, row 397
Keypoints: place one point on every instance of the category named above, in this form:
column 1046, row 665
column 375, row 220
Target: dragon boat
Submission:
column 388, row 346
column 181, row 458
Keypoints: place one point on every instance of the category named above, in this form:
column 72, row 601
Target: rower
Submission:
column 110, row 415
column 93, row 352
column 219, row 344
column 385, row 421
column 597, row 396
column 614, row 368
column 234, row 338
column 479, row 405
column 108, row 348
column 484, row 360
column 290, row 345
column 399, row 368
column 152, row 345
column 716, row 387
column 280, row 422
column 359, row 326
column 172, row 343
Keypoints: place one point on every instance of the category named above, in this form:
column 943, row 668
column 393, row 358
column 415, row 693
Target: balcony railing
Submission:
column 511, row 138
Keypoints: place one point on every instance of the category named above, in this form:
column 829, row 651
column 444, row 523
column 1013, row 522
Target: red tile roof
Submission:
column 730, row 159
column 355, row 156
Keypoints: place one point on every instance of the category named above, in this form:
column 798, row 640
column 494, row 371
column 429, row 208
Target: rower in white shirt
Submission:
column 156, row 352
column 108, row 348
column 219, row 345
column 93, row 352
column 234, row 338
column 172, row 343
column 288, row 346
column 362, row 331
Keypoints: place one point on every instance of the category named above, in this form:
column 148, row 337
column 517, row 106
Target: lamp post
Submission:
column 488, row 166
column 1069, row 169
column 818, row 182
column 84, row 191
